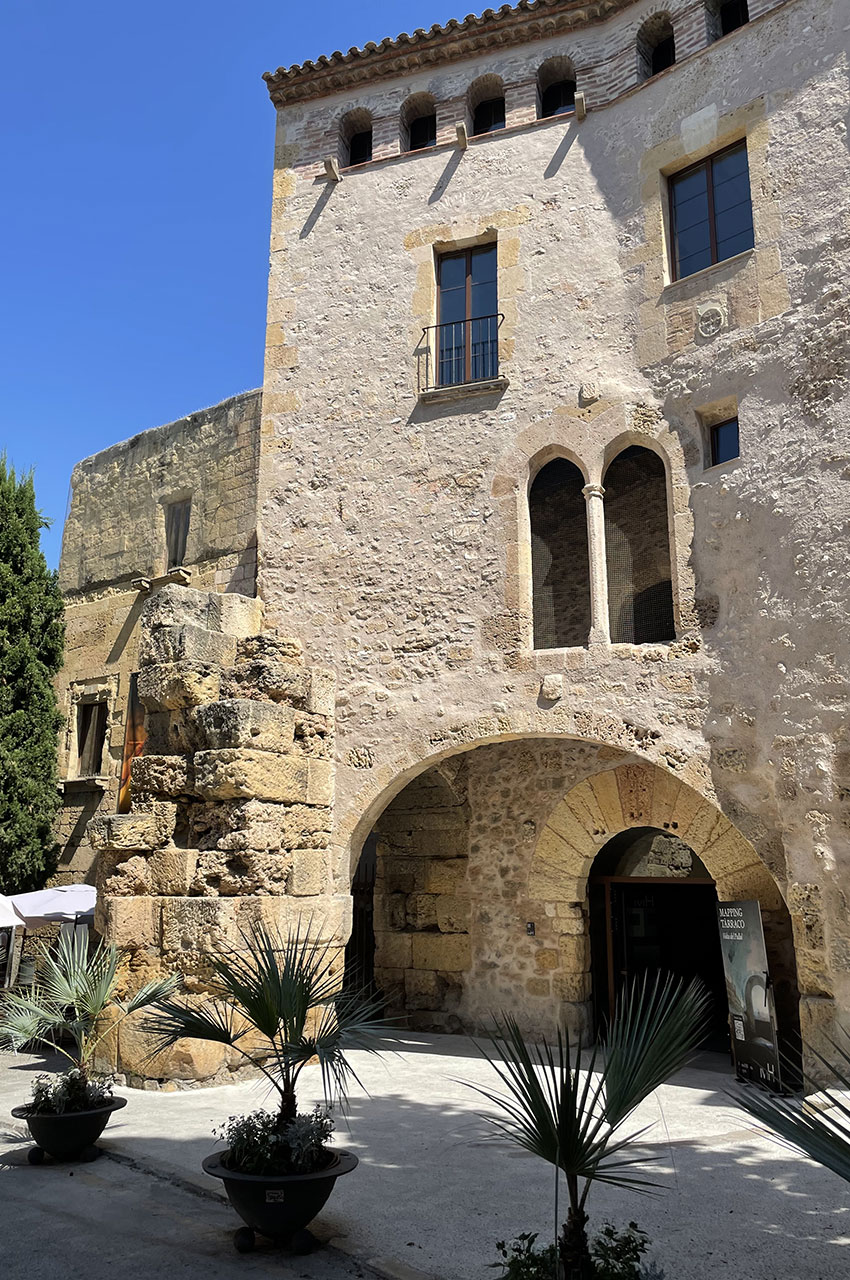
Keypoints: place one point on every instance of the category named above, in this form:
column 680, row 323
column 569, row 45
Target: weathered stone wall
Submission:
column 115, row 533
column 231, row 810
column 396, row 529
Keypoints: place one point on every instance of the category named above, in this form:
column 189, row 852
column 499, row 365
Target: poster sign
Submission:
column 7, row 956
column 752, row 1020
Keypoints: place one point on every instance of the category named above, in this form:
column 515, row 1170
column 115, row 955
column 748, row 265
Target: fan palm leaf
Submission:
column 822, row 1134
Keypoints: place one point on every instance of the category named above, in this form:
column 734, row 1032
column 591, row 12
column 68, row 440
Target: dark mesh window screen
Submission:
column 640, row 592
column 559, row 563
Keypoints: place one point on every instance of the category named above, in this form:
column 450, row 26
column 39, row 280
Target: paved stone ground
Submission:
column 431, row 1196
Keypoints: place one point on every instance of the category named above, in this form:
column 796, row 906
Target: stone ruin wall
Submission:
column 231, row 813
column 115, row 533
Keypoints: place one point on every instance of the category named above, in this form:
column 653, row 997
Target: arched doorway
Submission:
column 653, row 906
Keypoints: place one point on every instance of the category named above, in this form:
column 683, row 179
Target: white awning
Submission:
column 51, row 906
column 9, row 917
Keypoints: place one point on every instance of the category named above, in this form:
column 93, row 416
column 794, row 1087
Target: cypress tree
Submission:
column 32, row 636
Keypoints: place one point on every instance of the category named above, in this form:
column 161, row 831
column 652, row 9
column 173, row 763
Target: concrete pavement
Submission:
column 432, row 1194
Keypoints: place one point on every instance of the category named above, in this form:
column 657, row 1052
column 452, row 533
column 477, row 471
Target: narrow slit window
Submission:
column 91, row 737
column 711, row 213
column 725, row 444
column 733, row 14
column 177, row 516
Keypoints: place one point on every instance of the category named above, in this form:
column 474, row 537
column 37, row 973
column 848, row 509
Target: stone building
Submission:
column 548, row 650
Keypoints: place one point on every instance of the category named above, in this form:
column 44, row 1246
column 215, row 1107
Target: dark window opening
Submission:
column 489, row 116
column 423, row 133
column 177, row 515
column 91, row 736
column 711, row 214
column 360, row 147
column 467, row 320
column 560, row 569
column 663, row 55
column 637, row 549
column 733, row 14
column 724, row 442
column 558, row 99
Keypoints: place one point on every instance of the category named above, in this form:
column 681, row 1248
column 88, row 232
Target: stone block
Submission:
column 237, row 615
column 277, row 680
column 129, row 922
column 186, row 1060
column 139, row 829
column 309, row 873
column 177, row 606
column 170, row 733
column 546, row 959
column 445, row 875
column 128, row 877
column 172, row 870
column 450, row 952
column 421, row 911
column 751, row 883
column 171, row 644
column 172, row 685
column 244, row 722
column 163, row 775
column 574, row 988
column 233, row 874
column 321, row 692
column 260, row 775
column 193, row 927
column 430, row 843
column 327, row 917
column 452, row 914
column 321, row 776
column 574, row 950
column 423, row 989
column 393, row 950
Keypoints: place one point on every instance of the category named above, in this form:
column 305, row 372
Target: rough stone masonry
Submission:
column 379, row 526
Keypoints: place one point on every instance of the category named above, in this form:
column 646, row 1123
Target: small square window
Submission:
column 724, row 442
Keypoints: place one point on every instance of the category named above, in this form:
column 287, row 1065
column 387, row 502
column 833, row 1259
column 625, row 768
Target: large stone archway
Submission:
column 638, row 796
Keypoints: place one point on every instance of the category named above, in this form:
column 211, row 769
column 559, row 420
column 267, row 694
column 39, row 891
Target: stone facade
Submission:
column 393, row 525
column 114, row 556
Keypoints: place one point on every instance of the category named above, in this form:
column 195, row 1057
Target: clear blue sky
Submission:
column 136, row 149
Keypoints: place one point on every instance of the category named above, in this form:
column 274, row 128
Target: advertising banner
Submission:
column 752, row 1020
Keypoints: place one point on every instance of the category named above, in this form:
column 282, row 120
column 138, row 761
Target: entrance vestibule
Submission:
column 653, row 907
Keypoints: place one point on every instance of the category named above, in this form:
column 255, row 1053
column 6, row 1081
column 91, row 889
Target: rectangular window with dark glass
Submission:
column 91, row 736
column 711, row 214
column 724, row 442
column 177, row 515
column 467, row 320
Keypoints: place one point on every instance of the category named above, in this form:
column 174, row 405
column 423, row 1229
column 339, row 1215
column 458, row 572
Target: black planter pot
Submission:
column 69, row 1136
column 278, row 1207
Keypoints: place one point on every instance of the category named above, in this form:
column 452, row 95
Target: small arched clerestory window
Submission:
column 637, row 549
column 723, row 16
column 556, row 88
column 418, row 122
column 486, row 104
column 656, row 46
column 355, row 137
column 560, row 570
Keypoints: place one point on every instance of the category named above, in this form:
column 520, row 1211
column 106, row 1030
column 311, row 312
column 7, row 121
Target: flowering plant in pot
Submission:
column 276, row 999
column 70, row 1009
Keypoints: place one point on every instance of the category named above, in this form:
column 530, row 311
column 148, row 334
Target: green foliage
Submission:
column 32, row 635
column 258, row 1144
column 280, row 995
column 615, row 1255
column 73, row 1091
column 73, row 991
column 823, row 1134
column 572, row 1117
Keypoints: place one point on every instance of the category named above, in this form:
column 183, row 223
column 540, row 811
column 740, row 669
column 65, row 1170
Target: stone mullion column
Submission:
column 600, row 628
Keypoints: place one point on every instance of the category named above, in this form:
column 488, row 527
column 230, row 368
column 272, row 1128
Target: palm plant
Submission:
column 822, row 1134
column 74, row 989
column 277, row 1001
column 573, row 1118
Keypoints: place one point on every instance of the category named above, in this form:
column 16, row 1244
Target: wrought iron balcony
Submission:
column 459, row 353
